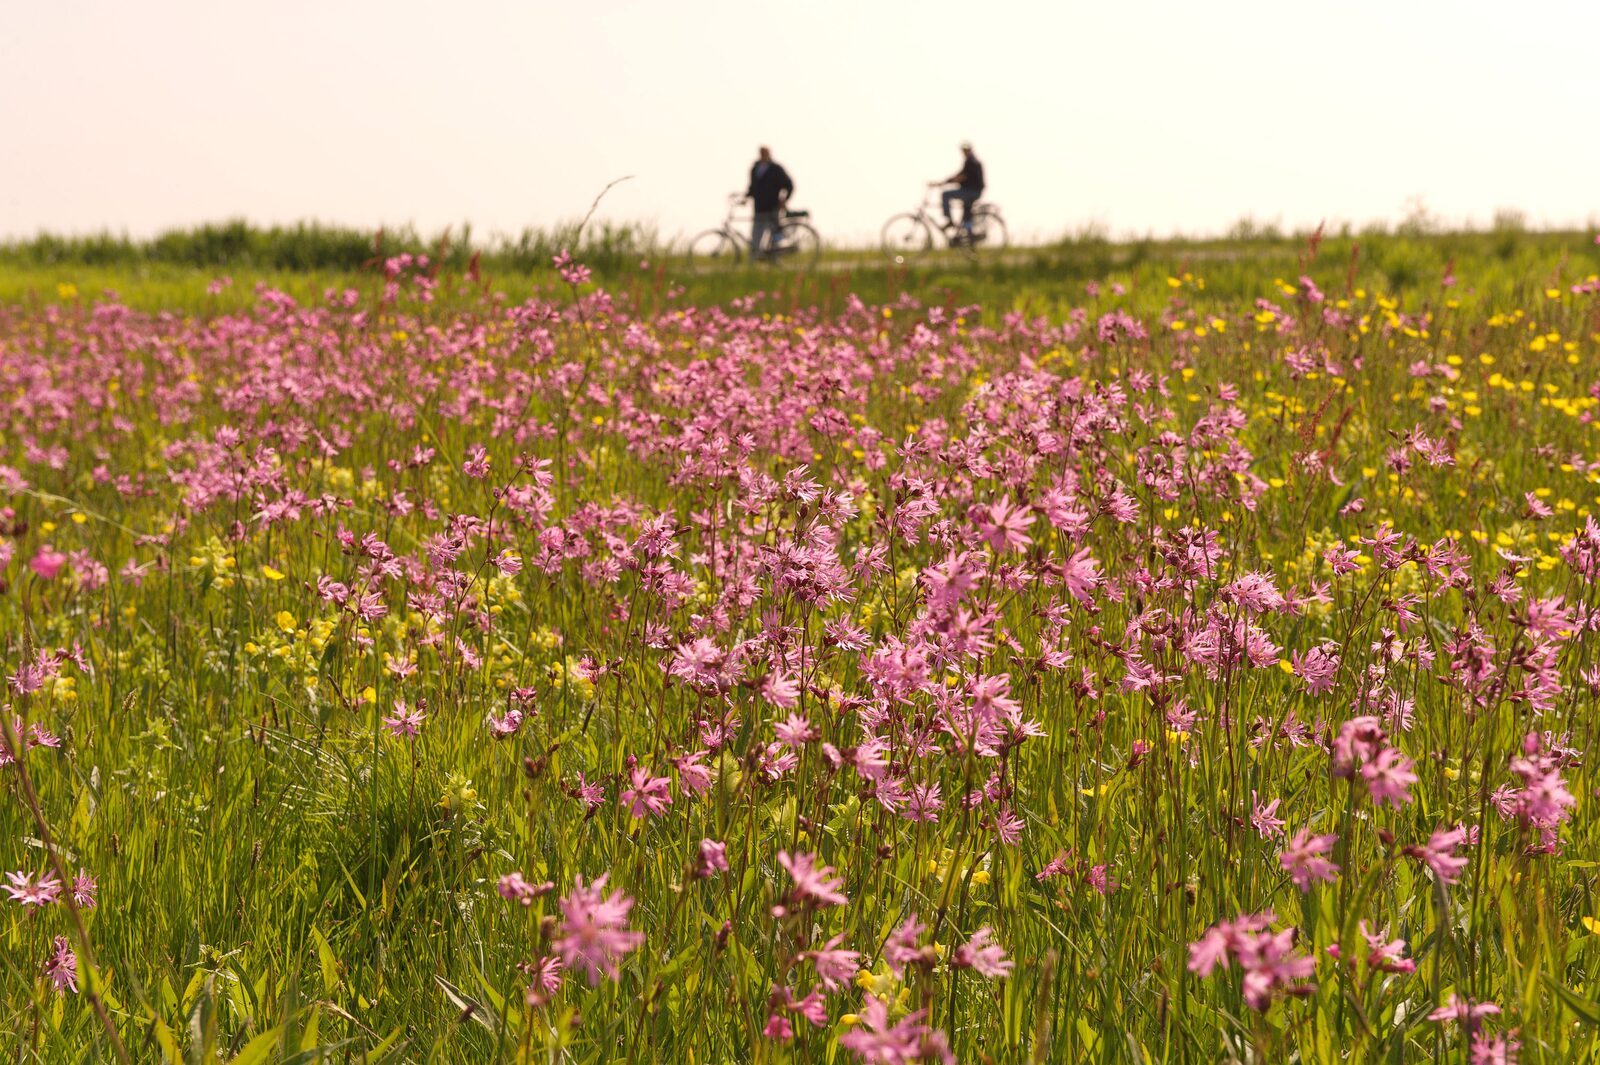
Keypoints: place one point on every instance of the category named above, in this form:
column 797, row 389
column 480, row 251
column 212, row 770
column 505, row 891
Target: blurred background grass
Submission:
column 1506, row 264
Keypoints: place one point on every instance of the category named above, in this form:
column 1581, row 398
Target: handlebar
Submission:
column 739, row 199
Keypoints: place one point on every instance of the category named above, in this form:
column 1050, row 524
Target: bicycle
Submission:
column 912, row 232
column 795, row 243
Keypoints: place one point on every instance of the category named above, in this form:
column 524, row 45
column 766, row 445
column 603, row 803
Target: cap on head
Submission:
column 966, row 146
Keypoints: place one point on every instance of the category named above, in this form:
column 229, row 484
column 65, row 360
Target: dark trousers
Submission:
column 763, row 227
column 967, row 197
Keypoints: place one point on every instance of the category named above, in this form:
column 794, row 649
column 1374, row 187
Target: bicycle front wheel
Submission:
column 713, row 248
column 798, row 245
column 906, row 235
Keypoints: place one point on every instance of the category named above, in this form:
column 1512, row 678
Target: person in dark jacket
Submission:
column 968, row 182
column 770, row 188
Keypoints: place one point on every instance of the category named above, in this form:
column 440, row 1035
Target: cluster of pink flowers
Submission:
column 45, row 889
column 36, row 892
column 1387, row 772
column 879, row 1041
column 1268, row 959
column 1542, row 802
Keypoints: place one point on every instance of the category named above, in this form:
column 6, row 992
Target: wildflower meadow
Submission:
column 598, row 669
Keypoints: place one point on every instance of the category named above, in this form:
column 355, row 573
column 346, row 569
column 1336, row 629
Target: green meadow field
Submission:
column 1163, row 651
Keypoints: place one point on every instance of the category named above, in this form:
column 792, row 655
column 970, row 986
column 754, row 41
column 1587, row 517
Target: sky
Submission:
column 1131, row 117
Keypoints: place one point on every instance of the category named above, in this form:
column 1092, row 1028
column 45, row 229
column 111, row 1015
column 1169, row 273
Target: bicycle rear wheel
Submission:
column 798, row 245
column 906, row 235
column 989, row 230
column 713, row 248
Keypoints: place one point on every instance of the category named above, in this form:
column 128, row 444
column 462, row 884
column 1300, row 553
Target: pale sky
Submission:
column 1136, row 115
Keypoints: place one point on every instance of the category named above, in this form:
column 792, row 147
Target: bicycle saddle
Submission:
column 790, row 212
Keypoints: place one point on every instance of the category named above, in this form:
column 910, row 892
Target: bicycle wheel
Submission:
column 989, row 230
column 713, row 248
column 798, row 245
column 906, row 235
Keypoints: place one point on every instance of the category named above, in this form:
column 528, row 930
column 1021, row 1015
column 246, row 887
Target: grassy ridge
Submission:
column 316, row 246
column 1506, row 266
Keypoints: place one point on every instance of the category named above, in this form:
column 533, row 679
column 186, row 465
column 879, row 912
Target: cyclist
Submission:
column 969, row 186
column 770, row 189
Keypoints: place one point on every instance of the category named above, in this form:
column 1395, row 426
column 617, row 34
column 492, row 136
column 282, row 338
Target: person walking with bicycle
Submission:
column 770, row 189
column 968, row 182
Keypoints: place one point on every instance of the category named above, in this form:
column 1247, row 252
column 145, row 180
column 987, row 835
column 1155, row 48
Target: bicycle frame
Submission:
column 930, row 213
column 792, row 237
column 738, row 226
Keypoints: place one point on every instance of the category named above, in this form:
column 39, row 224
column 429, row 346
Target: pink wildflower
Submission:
column 513, row 887
column 693, row 775
column 589, row 792
column 1100, row 879
column 813, row 1007
column 1359, row 739
column 1388, row 778
column 62, row 968
column 794, row 731
column 1317, row 667
column 647, row 794
column 1463, row 1011
column 1386, row 955
column 812, row 883
column 901, row 949
column 1004, row 526
column 30, row 892
column 1269, row 965
column 477, row 463
column 1264, row 816
column 1439, row 853
column 1080, row 575
column 594, row 935
column 783, row 691
column 1304, row 861
column 544, row 982
column 47, row 563
column 506, row 725
column 404, row 722
column 835, row 967
column 713, row 858
column 1500, row 1050
column 983, row 956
